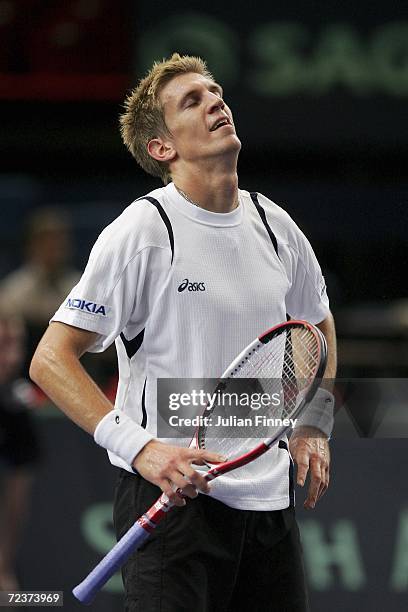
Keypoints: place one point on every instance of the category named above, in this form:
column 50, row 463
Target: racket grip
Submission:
column 131, row 541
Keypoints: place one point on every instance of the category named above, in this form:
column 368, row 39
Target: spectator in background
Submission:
column 35, row 290
column 19, row 447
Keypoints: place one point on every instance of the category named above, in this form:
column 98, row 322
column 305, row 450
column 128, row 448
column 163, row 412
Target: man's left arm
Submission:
column 309, row 446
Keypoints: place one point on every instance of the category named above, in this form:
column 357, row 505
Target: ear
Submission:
column 160, row 150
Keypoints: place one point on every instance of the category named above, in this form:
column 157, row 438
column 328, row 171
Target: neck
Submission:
column 216, row 192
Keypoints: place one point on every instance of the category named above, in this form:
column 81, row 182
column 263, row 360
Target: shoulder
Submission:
column 140, row 226
column 282, row 224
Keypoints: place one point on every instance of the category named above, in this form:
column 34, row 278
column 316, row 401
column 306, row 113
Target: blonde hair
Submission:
column 143, row 118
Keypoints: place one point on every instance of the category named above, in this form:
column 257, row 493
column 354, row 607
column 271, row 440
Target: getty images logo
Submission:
column 85, row 306
column 190, row 286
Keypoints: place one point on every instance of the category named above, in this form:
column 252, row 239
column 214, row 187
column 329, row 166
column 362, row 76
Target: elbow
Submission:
column 327, row 325
column 43, row 364
column 36, row 367
column 49, row 360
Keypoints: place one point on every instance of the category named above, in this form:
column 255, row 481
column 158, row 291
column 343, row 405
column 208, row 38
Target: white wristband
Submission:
column 319, row 413
column 118, row 433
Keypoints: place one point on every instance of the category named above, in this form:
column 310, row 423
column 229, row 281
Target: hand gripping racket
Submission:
column 286, row 362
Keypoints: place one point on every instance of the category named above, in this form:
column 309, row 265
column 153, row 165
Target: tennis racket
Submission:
column 288, row 361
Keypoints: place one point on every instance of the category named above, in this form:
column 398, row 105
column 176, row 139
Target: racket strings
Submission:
column 305, row 353
column 301, row 361
column 265, row 362
column 277, row 361
column 282, row 368
column 274, row 363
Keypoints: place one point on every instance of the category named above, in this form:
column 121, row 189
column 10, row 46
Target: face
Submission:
column 200, row 122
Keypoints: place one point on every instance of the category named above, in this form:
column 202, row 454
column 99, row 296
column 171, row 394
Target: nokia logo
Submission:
column 190, row 286
column 86, row 306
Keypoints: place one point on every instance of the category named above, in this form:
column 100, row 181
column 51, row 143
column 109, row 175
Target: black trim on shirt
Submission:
column 254, row 197
column 282, row 444
column 132, row 346
column 144, row 413
column 165, row 219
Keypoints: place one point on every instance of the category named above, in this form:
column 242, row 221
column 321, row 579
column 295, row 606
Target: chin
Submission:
column 231, row 144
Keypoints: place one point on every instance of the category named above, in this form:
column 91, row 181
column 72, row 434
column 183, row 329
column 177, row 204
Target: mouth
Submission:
column 220, row 123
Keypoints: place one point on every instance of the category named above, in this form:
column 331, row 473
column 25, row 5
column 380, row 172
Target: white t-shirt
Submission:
column 251, row 266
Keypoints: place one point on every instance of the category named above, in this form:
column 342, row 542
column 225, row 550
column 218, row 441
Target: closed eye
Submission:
column 190, row 101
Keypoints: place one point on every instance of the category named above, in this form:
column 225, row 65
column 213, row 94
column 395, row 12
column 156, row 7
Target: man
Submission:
column 238, row 548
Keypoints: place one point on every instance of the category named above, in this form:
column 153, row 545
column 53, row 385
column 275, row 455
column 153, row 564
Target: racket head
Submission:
column 286, row 362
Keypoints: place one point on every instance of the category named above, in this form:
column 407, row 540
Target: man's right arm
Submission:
column 56, row 368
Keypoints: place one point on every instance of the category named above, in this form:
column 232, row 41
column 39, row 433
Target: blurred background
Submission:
column 319, row 93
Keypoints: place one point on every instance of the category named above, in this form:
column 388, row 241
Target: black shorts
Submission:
column 208, row 557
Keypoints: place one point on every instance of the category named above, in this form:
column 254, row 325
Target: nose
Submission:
column 215, row 103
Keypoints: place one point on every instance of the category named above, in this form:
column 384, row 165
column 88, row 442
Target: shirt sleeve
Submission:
column 307, row 296
column 115, row 291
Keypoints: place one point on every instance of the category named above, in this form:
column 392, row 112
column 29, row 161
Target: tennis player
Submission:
column 182, row 281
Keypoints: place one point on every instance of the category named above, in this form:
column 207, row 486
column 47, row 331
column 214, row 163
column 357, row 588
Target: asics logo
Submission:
column 190, row 286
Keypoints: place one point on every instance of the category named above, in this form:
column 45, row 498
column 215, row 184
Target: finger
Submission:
column 178, row 480
column 302, row 461
column 314, row 486
column 190, row 491
column 196, row 479
column 190, row 476
column 315, row 482
column 322, row 491
column 173, row 496
column 201, row 457
column 326, row 482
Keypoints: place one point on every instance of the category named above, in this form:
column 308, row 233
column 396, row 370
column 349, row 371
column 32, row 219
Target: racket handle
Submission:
column 131, row 541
